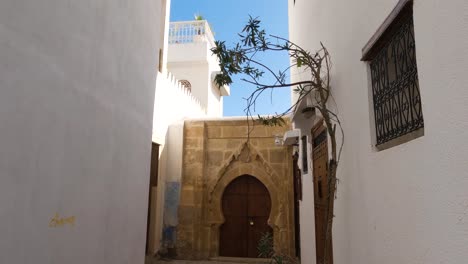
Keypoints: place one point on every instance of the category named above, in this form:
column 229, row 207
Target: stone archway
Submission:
column 214, row 154
column 246, row 205
column 236, row 168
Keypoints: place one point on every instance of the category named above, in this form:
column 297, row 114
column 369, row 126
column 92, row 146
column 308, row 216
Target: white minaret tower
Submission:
column 190, row 60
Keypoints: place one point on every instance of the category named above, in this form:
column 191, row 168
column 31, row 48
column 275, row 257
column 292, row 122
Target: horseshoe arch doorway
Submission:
column 246, row 205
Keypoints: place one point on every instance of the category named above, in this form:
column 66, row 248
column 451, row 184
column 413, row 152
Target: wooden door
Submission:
column 153, row 183
column 246, row 206
column 320, row 174
column 297, row 177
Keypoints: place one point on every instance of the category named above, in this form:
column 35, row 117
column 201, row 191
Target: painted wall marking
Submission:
column 57, row 221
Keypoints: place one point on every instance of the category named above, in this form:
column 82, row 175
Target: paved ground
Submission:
column 221, row 260
column 204, row 262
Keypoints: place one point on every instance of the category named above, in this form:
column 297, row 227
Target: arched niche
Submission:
column 236, row 169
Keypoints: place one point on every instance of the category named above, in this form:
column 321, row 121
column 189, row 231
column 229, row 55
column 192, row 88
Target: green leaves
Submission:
column 230, row 62
column 265, row 245
column 281, row 77
column 272, row 120
column 222, row 79
column 299, row 89
column 198, row 17
column 251, row 31
column 246, row 58
column 266, row 249
column 299, row 62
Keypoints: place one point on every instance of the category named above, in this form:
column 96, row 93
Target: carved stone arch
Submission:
column 243, row 163
column 245, row 153
column 236, row 171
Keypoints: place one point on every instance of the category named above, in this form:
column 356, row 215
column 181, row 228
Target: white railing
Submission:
column 184, row 32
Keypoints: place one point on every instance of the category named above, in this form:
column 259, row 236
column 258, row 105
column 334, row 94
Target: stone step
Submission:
column 217, row 260
column 241, row 260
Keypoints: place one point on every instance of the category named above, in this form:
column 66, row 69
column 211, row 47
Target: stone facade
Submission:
column 217, row 152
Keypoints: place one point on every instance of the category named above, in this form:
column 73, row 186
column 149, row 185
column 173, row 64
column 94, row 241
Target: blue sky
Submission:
column 227, row 18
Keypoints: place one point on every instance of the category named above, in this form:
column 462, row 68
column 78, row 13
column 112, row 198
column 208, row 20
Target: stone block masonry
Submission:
column 216, row 153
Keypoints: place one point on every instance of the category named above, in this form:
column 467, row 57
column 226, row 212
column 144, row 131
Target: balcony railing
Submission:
column 190, row 32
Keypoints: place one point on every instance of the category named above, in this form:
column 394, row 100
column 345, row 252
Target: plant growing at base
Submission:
column 265, row 247
column 243, row 58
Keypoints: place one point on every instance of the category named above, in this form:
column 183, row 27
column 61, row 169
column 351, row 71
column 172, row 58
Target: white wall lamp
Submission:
column 291, row 137
column 278, row 140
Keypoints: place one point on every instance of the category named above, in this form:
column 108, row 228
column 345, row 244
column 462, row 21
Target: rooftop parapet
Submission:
column 184, row 32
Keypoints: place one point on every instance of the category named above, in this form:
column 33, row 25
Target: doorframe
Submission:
column 153, row 182
column 316, row 130
column 297, row 185
column 267, row 224
column 277, row 220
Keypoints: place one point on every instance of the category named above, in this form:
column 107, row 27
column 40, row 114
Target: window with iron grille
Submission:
column 187, row 85
column 394, row 78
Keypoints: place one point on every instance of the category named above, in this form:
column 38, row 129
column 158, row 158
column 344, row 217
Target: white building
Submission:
column 76, row 104
column 190, row 59
column 403, row 185
column 185, row 89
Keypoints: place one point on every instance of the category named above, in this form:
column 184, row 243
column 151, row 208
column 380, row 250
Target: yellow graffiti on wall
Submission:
column 57, row 221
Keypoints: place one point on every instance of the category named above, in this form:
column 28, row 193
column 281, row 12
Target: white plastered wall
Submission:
column 409, row 203
column 215, row 99
column 196, row 63
column 76, row 99
column 195, row 73
column 306, row 206
column 172, row 104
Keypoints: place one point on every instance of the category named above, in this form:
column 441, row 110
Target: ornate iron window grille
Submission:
column 395, row 86
column 320, row 138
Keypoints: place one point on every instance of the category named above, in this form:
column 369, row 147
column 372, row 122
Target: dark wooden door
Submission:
column 320, row 167
column 297, row 177
column 153, row 183
column 246, row 207
column 320, row 172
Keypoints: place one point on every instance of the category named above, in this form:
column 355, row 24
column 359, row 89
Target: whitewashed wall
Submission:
column 409, row 203
column 215, row 96
column 76, row 103
column 173, row 103
column 195, row 62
